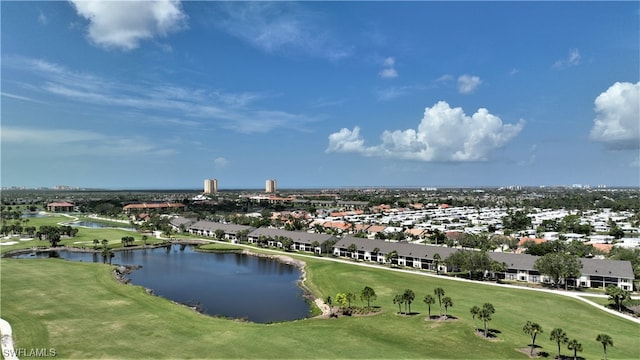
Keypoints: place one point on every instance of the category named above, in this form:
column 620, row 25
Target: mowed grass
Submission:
column 82, row 312
column 219, row 247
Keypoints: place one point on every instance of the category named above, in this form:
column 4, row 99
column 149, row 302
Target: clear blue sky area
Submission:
column 165, row 94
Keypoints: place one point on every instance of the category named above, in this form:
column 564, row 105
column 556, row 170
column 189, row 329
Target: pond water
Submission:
column 95, row 225
column 222, row 284
column 28, row 214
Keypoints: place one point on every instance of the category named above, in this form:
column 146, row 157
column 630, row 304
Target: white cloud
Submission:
column 392, row 92
column 17, row 97
column 573, row 59
column 220, row 162
column 233, row 111
column 42, row 18
column 346, row 141
column 617, row 122
column 444, row 134
column 444, row 78
column 467, row 84
column 389, row 71
column 72, row 142
column 279, row 27
column 124, row 24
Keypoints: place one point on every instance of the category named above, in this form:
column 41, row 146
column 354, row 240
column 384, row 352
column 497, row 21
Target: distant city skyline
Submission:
column 163, row 94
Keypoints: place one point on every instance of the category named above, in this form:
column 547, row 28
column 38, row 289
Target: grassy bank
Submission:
column 218, row 247
column 79, row 309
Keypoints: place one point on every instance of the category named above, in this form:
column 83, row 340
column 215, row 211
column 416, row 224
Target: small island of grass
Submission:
column 217, row 247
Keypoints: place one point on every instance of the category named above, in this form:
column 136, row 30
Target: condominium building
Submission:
column 210, row 186
column 270, row 186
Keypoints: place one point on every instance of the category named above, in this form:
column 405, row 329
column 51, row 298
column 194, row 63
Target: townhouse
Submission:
column 595, row 273
column 302, row 241
column 208, row 228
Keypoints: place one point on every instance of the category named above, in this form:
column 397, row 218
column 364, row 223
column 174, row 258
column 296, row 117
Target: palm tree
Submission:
column 532, row 329
column 439, row 292
column 560, row 337
column 485, row 315
column 447, row 302
column 399, row 299
column 375, row 253
column 408, row 296
column 390, row 256
column 575, row 346
column 368, row 294
column 475, row 312
column 429, row 300
column 96, row 242
column 617, row 295
column 437, row 259
column 314, row 245
column 605, row 340
column 352, row 249
column 144, row 239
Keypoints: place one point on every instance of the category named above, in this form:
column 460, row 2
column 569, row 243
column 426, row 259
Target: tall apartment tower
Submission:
column 210, row 186
column 271, row 186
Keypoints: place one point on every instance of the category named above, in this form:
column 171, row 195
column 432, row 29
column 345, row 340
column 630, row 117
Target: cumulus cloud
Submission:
column 617, row 122
column 444, row 134
column 572, row 60
column 467, row 84
column 124, row 24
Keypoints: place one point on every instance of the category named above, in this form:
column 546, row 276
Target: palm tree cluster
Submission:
column 345, row 300
column 405, row 298
column 560, row 337
column 127, row 240
column 617, row 296
column 483, row 313
column 107, row 254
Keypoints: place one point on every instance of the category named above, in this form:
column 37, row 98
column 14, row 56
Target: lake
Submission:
column 95, row 225
column 231, row 285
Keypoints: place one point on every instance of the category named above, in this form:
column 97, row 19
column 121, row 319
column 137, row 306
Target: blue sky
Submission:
column 320, row 94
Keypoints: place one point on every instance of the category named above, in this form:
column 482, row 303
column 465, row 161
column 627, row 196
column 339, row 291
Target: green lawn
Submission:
column 82, row 312
column 218, row 247
column 84, row 237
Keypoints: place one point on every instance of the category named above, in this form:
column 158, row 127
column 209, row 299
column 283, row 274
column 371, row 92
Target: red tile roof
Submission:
column 60, row 204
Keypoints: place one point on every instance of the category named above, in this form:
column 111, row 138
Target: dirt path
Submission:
column 322, row 306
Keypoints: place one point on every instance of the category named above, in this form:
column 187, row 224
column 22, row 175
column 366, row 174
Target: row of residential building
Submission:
column 596, row 273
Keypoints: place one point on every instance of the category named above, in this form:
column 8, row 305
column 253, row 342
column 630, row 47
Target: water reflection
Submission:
column 225, row 284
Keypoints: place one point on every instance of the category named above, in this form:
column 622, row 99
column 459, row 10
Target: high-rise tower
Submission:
column 210, row 186
column 270, row 186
